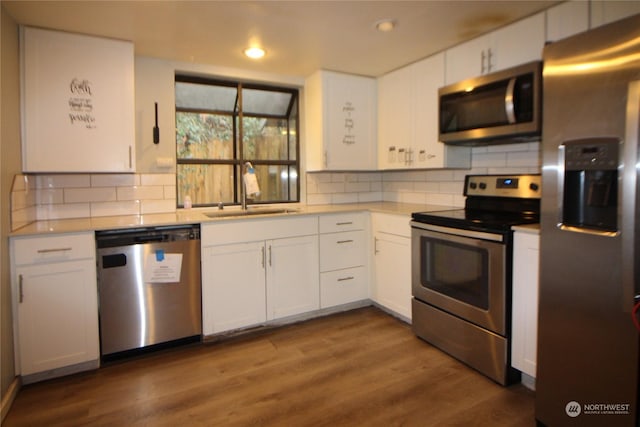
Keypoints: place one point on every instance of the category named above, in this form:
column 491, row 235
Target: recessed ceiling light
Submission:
column 254, row 52
column 385, row 25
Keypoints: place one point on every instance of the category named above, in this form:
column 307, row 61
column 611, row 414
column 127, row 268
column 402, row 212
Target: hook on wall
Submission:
column 156, row 129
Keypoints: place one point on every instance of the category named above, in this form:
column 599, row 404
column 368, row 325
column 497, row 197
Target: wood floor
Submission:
column 360, row 368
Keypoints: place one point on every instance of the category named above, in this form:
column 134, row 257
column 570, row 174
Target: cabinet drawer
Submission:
column 343, row 286
column 251, row 230
column 392, row 224
column 341, row 222
column 342, row 250
column 55, row 248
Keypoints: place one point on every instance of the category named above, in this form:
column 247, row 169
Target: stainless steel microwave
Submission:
column 496, row 108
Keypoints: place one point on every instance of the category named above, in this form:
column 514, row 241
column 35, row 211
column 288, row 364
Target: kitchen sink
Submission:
column 250, row 212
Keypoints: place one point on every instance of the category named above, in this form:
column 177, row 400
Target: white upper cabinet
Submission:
column 395, row 118
column 341, row 122
column 509, row 46
column 607, row 11
column 77, row 103
column 567, row 19
column 408, row 119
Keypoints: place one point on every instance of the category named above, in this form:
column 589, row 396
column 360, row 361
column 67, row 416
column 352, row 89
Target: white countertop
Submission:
column 195, row 216
column 527, row 228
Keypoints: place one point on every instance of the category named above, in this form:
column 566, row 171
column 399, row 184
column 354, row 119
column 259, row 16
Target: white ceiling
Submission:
column 299, row 36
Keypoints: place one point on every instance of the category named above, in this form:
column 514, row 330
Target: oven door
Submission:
column 461, row 272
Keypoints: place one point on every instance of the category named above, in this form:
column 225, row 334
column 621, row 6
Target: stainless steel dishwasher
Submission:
column 149, row 287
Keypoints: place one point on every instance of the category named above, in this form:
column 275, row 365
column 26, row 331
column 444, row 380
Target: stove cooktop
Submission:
column 476, row 220
column 494, row 203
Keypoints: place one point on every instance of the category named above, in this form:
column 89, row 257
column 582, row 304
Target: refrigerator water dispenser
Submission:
column 590, row 196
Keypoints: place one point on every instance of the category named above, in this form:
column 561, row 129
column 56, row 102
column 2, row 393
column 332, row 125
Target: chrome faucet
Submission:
column 243, row 196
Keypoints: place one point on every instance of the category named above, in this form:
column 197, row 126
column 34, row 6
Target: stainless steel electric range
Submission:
column 461, row 271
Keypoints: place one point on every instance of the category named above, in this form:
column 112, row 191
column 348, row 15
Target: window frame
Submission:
column 238, row 161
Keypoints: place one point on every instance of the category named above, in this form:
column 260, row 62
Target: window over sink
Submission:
column 221, row 125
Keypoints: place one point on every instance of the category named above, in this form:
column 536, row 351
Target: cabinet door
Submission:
column 408, row 119
column 57, row 315
column 393, row 273
column 293, row 277
column 233, row 286
column 567, row 19
column 525, row 302
column 77, row 102
column 518, row 43
column 350, row 126
column 428, row 75
column 607, row 11
column 467, row 60
column 515, row 44
column 395, row 118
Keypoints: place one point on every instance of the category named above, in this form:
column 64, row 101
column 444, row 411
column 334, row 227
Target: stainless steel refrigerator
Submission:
column 587, row 366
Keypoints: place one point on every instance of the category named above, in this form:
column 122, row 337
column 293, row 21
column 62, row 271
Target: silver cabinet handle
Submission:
column 344, row 279
column 262, row 257
column 375, row 245
column 46, row 251
column 344, row 223
column 489, row 55
column 269, row 255
column 130, row 157
column 482, row 58
column 344, row 241
column 20, row 290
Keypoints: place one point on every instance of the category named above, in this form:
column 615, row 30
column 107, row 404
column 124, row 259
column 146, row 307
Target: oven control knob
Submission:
column 472, row 185
column 483, row 185
column 533, row 186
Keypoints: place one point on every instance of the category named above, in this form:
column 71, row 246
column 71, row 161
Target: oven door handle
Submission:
column 459, row 232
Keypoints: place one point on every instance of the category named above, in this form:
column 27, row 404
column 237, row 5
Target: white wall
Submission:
column 10, row 164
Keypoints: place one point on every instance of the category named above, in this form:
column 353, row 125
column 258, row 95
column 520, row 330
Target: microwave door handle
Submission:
column 508, row 101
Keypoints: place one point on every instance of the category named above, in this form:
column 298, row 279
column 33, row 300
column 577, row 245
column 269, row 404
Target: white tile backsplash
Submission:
column 115, row 180
column 60, row 181
column 42, row 197
column 127, row 207
column 63, row 211
column 50, row 197
column 158, row 179
column 152, row 192
column 438, row 187
column 157, row 206
column 84, row 195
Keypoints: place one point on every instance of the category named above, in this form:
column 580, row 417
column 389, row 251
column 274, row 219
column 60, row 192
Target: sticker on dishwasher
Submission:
column 163, row 269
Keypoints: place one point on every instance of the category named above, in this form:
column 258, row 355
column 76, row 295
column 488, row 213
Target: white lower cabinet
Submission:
column 246, row 283
column 343, row 286
column 55, row 301
column 392, row 262
column 233, row 286
column 343, row 260
column 292, row 276
column 524, row 343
